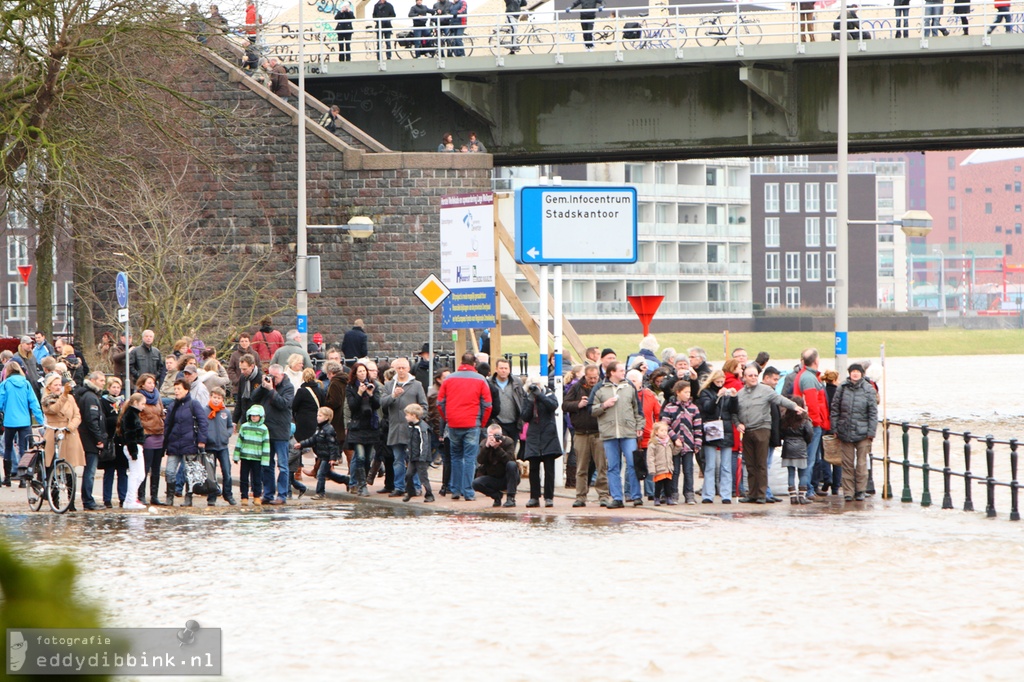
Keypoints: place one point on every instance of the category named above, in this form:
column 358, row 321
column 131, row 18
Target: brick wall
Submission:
column 251, row 198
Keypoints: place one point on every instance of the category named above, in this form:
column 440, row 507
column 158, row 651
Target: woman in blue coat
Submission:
column 18, row 404
column 185, row 430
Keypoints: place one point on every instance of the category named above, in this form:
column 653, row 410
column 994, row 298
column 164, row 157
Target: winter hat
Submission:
column 190, row 369
column 606, row 352
column 856, row 366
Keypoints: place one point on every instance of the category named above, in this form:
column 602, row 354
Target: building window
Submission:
column 812, row 197
column 1016, row 208
column 1007, row 187
column 1016, row 228
column 771, row 297
column 831, row 197
column 1009, row 249
column 951, row 162
column 1016, row 187
column 771, row 232
column 952, row 203
column 988, row 208
column 830, row 297
column 771, row 197
column 952, row 182
column 634, row 172
column 812, row 262
column 830, row 231
column 830, row 266
column 793, row 266
column 999, row 228
column 16, row 308
column 952, row 222
column 792, row 197
column 988, row 190
column 792, row 297
column 886, row 264
column 711, row 177
column 812, row 231
column 17, row 252
column 771, row 267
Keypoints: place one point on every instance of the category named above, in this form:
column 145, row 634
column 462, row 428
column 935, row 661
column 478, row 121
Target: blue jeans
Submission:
column 723, row 459
column 465, row 445
column 179, row 481
column 932, row 14
column 768, row 468
column 812, row 457
column 88, row 476
column 278, row 452
column 108, row 484
column 172, row 465
column 614, row 451
column 457, row 32
column 682, row 463
column 325, row 471
column 224, row 458
column 24, row 436
column 401, row 462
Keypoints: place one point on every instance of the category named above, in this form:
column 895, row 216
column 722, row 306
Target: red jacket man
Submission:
column 465, row 397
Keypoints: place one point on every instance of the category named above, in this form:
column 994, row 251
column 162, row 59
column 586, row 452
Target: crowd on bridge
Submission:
column 633, row 428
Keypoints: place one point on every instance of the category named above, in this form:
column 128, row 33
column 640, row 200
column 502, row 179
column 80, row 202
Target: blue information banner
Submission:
column 841, row 343
column 469, row 309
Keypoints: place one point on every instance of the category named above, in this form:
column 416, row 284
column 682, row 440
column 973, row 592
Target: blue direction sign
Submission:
column 556, row 225
column 121, row 286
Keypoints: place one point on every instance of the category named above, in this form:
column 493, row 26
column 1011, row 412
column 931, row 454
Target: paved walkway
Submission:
column 13, row 501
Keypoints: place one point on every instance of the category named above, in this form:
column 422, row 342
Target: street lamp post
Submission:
column 942, row 283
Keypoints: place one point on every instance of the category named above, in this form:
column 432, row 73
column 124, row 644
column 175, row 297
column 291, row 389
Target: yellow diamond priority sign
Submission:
column 432, row 292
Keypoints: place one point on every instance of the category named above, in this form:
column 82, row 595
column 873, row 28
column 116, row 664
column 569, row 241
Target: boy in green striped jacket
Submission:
column 253, row 450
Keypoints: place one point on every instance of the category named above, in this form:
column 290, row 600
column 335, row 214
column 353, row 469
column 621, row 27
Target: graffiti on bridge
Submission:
column 367, row 98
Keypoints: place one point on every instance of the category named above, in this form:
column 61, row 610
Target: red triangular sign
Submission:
column 645, row 307
column 25, row 271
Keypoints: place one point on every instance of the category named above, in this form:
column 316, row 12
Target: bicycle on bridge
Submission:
column 536, row 39
column 716, row 28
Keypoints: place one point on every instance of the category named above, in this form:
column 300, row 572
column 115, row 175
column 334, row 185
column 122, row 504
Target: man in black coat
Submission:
column 354, row 343
column 275, row 393
column 92, row 431
column 250, row 379
column 383, row 12
column 496, row 470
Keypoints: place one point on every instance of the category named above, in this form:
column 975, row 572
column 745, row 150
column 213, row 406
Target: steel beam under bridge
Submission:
column 959, row 93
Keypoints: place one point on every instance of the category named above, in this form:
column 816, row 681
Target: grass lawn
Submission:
column 948, row 341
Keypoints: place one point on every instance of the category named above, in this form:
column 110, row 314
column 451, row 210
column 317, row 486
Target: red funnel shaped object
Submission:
column 645, row 307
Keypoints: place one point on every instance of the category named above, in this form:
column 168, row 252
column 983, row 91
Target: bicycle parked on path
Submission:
column 512, row 37
column 57, row 483
column 715, row 29
column 647, row 35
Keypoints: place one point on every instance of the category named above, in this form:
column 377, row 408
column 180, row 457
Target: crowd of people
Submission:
column 634, row 429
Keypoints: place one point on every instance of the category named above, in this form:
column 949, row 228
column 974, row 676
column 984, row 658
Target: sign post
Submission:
column 121, row 288
column 431, row 292
column 26, row 271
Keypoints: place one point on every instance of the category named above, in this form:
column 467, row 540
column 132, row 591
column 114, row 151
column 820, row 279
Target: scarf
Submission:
column 215, row 410
column 663, row 441
column 247, row 384
column 152, row 397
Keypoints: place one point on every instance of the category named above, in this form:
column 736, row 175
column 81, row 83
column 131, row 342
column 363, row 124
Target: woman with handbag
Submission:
column 112, row 460
column 364, row 427
column 185, row 428
column 718, row 411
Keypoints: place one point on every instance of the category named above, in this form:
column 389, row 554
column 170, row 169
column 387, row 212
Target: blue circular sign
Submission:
column 121, row 285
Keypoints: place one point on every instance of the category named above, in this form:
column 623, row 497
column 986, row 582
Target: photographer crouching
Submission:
column 496, row 467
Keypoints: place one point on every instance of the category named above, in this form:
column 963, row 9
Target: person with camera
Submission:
column 363, row 426
column 276, row 395
column 497, row 472
column 543, row 446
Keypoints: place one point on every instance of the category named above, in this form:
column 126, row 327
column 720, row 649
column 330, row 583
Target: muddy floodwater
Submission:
column 365, row 592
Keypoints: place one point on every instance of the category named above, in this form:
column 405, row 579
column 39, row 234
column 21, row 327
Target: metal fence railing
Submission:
column 1000, row 462
column 547, row 31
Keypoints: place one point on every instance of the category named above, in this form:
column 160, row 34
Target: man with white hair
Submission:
column 292, row 345
column 146, row 359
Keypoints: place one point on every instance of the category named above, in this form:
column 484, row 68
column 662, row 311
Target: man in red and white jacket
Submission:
column 808, row 385
column 465, row 403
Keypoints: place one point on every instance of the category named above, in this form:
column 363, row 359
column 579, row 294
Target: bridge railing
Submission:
column 627, row 32
column 999, row 463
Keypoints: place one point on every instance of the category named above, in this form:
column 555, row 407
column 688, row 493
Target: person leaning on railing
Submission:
column 459, row 8
column 344, row 16
column 588, row 12
column 420, row 33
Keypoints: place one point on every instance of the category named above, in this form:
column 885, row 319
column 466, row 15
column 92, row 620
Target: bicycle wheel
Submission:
column 540, row 41
column 467, row 45
column 605, row 35
column 749, row 31
column 36, row 490
column 499, row 40
column 62, row 487
column 710, row 33
column 662, row 37
column 680, row 35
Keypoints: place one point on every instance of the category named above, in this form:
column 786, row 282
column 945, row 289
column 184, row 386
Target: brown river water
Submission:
column 357, row 592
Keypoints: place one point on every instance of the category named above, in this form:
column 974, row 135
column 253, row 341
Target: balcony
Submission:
column 694, row 230
column 586, row 309
column 662, row 269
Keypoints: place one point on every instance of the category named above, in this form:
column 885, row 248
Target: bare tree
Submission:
column 183, row 279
